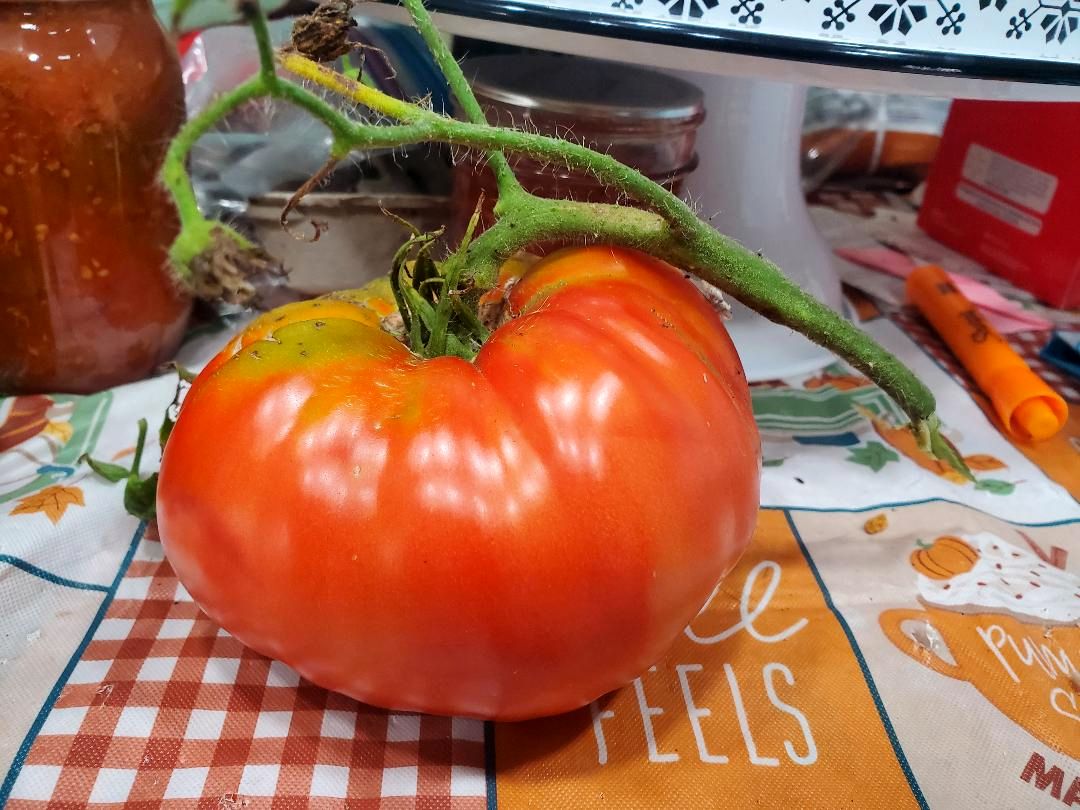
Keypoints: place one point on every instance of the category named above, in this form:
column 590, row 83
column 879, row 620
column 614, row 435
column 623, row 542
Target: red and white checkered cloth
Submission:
column 163, row 708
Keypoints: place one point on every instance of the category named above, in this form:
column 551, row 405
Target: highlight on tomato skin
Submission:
column 505, row 538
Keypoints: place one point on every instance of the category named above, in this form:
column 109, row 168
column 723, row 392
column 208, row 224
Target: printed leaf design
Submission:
column 52, row 501
column 772, row 462
column 995, row 487
column 874, row 455
column 984, row 463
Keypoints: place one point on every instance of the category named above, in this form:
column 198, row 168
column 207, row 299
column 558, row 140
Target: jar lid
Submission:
column 583, row 87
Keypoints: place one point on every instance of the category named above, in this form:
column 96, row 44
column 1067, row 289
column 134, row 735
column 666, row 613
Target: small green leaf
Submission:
column 995, row 487
column 110, row 472
column 140, row 497
column 874, row 455
column 773, row 462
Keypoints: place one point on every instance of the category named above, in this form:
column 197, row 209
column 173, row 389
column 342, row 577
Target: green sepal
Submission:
column 140, row 494
column 110, row 472
column 941, row 448
column 140, row 497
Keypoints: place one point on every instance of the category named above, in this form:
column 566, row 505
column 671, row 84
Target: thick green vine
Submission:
column 663, row 225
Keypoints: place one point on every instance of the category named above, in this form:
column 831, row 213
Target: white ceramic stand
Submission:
column 747, row 185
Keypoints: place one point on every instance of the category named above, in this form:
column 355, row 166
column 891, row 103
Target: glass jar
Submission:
column 90, row 94
column 643, row 118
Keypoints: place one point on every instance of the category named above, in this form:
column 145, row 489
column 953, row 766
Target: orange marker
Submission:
column 1028, row 407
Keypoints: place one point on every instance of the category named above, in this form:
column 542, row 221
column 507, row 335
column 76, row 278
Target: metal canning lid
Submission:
column 584, row 88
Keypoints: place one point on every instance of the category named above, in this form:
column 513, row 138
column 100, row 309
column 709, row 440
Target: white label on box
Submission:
column 999, row 209
column 1024, row 185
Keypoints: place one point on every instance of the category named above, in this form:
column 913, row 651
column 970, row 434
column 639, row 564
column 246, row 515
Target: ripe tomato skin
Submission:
column 504, row 539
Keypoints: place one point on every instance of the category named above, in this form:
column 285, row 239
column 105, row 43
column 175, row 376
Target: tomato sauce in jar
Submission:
column 90, row 94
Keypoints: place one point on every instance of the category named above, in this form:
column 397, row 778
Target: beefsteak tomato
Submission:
column 506, row 538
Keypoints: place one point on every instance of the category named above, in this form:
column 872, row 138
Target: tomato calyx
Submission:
column 439, row 313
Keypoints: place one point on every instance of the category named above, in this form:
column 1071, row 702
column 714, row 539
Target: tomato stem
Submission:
column 667, row 227
column 505, row 180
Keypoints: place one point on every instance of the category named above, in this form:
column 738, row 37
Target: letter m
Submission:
column 1053, row 778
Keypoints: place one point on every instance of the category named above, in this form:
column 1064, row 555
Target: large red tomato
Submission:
column 506, row 538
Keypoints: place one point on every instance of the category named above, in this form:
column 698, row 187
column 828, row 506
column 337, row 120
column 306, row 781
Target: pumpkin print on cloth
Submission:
column 985, row 573
column 947, row 557
column 1004, row 619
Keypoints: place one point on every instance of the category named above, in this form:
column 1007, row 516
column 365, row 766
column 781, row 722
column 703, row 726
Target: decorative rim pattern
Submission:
column 1016, row 40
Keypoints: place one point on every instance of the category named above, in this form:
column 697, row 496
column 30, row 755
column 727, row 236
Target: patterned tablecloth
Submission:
column 895, row 637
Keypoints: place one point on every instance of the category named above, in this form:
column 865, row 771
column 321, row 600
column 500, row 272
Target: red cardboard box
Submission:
column 1005, row 190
